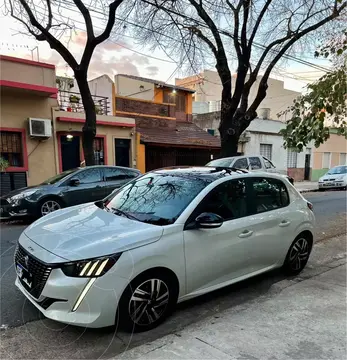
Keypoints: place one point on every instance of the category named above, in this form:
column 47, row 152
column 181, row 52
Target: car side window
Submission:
column 268, row 163
column 267, row 194
column 89, row 176
column 241, row 163
column 114, row 174
column 255, row 163
column 227, row 200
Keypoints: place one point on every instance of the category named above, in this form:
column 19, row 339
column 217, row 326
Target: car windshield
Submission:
column 220, row 162
column 58, row 177
column 337, row 170
column 156, row 198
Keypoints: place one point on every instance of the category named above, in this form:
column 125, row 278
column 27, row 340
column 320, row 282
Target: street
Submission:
column 22, row 323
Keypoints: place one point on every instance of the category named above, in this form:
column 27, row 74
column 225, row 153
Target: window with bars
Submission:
column 326, row 160
column 11, row 148
column 99, row 151
column 266, row 150
column 292, row 159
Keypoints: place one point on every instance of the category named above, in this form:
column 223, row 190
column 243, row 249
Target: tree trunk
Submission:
column 229, row 130
column 89, row 127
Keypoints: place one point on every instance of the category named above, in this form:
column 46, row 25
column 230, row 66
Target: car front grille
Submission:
column 328, row 179
column 39, row 270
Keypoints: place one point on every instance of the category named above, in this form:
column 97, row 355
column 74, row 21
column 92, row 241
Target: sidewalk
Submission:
column 305, row 320
column 306, row 186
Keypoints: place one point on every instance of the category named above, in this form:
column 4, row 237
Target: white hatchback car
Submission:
column 163, row 238
column 335, row 178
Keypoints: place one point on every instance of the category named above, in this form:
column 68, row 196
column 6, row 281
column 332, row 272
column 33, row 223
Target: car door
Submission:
column 241, row 163
column 214, row 256
column 271, row 221
column 116, row 177
column 89, row 187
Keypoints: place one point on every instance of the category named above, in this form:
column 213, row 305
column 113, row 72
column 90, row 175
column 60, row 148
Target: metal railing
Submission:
column 72, row 102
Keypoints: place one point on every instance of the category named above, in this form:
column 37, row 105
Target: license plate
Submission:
column 327, row 184
column 24, row 276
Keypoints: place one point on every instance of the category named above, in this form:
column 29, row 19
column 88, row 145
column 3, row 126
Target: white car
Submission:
column 335, row 178
column 168, row 236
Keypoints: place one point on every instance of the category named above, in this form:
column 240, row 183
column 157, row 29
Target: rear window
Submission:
column 221, row 162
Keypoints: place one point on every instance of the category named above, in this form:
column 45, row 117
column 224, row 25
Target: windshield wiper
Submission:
column 123, row 213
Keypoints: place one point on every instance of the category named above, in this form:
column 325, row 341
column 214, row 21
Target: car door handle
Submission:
column 284, row 223
column 245, row 234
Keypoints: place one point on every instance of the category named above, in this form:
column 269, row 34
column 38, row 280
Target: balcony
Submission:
column 131, row 107
column 72, row 102
column 22, row 76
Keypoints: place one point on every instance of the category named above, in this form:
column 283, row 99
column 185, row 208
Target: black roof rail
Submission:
column 229, row 169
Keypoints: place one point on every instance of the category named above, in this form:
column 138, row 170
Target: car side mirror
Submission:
column 209, row 221
column 74, row 182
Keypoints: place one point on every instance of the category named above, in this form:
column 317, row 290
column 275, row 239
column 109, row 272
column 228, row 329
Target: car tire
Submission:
column 49, row 203
column 298, row 255
column 159, row 291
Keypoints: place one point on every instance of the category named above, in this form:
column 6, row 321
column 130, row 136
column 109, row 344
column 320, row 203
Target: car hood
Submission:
column 86, row 231
column 332, row 176
column 19, row 191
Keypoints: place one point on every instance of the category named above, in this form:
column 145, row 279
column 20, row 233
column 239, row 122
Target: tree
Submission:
column 258, row 33
column 41, row 21
column 325, row 103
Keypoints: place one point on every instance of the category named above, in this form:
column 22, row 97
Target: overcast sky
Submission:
column 117, row 56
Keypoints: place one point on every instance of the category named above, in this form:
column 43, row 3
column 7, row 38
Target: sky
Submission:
column 119, row 56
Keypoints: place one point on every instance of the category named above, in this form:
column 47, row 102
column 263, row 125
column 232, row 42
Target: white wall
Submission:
column 102, row 86
column 125, row 86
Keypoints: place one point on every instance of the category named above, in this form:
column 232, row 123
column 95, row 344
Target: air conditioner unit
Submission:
column 41, row 128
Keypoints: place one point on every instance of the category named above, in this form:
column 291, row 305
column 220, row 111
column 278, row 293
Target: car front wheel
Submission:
column 147, row 302
column 49, row 205
column 298, row 255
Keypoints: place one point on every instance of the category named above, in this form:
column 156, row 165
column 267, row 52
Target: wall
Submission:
column 336, row 144
column 128, row 87
column 20, row 70
column 14, row 113
column 208, row 88
column 102, row 86
column 140, row 154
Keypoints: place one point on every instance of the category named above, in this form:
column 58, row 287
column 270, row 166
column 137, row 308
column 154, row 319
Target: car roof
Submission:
column 108, row 166
column 211, row 173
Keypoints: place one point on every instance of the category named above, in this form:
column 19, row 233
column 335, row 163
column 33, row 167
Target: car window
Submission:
column 268, row 163
column 88, row 176
column 267, row 194
column 338, row 170
column 115, row 174
column 227, row 200
column 255, row 163
column 56, row 178
column 157, row 199
column 220, row 162
column 241, row 163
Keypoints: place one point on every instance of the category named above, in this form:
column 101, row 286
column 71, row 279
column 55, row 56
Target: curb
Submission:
column 308, row 190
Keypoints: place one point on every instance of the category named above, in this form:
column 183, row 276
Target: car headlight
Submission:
column 23, row 194
column 90, row 268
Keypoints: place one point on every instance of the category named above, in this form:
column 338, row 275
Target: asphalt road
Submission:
column 330, row 210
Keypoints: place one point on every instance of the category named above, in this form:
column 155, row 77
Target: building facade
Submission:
column 208, row 90
column 332, row 153
column 263, row 137
column 41, row 127
column 163, row 114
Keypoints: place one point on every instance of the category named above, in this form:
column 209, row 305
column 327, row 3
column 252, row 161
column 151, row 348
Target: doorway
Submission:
column 307, row 166
column 122, row 151
column 70, row 152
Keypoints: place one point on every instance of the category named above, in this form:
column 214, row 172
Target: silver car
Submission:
column 335, row 178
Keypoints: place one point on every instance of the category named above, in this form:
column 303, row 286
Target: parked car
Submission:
column 335, row 178
column 69, row 188
column 165, row 237
column 249, row 162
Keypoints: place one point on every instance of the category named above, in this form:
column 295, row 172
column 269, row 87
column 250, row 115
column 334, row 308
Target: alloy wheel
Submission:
column 299, row 254
column 49, row 206
column 149, row 302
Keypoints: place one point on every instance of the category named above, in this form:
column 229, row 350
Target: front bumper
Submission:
column 18, row 208
column 60, row 293
column 332, row 185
